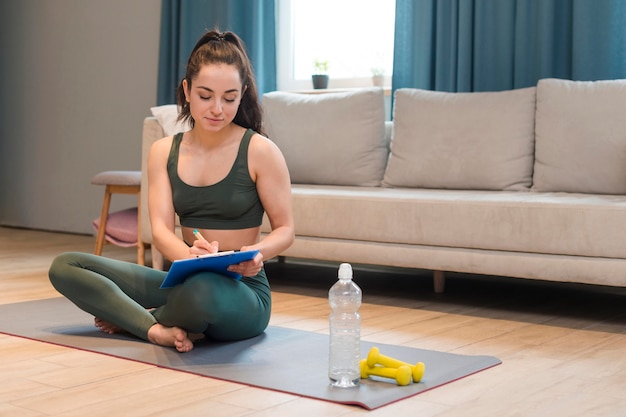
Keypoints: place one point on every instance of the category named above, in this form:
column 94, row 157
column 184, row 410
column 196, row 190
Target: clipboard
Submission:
column 218, row 262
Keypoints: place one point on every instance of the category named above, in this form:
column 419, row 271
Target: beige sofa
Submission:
column 528, row 183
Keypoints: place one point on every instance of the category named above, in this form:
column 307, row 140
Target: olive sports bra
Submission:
column 232, row 203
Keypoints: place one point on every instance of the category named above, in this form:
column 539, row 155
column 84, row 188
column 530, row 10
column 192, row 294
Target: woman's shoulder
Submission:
column 165, row 142
column 264, row 154
column 161, row 147
column 262, row 144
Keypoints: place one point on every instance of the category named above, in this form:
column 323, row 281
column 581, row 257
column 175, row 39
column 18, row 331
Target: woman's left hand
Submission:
column 248, row 268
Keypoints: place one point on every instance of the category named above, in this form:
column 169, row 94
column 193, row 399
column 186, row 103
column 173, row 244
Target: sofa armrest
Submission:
column 152, row 131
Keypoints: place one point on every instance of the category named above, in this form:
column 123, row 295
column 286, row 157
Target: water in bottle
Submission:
column 344, row 298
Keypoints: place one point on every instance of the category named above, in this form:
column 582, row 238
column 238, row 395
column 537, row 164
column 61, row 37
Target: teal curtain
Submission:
column 494, row 45
column 184, row 21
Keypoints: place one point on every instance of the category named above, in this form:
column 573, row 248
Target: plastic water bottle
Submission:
column 344, row 298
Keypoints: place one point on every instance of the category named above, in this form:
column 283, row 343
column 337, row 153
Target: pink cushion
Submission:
column 121, row 227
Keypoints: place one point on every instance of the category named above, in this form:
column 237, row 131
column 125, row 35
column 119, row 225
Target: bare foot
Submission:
column 170, row 337
column 106, row 327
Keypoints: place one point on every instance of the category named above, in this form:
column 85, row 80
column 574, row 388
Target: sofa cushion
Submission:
column 167, row 117
column 330, row 138
column 479, row 141
column 581, row 136
column 513, row 221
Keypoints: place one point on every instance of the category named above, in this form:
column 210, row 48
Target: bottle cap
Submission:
column 345, row 271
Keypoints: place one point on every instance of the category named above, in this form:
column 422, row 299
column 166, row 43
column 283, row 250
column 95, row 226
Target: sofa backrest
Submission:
column 561, row 136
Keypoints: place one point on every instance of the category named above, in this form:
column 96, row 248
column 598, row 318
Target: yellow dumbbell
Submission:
column 402, row 374
column 375, row 357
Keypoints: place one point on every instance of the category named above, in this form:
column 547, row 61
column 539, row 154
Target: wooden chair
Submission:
column 119, row 182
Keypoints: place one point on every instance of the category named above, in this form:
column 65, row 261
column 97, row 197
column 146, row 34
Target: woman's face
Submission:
column 214, row 96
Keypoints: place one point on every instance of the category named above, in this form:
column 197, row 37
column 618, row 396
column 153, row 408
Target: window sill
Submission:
column 386, row 90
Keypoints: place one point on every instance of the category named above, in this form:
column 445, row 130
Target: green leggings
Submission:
column 122, row 292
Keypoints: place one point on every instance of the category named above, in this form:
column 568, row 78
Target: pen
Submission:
column 198, row 235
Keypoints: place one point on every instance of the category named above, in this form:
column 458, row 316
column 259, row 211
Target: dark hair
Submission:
column 216, row 47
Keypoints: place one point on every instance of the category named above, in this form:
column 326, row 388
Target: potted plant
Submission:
column 378, row 76
column 320, row 77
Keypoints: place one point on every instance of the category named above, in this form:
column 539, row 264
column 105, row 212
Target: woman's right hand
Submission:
column 203, row 247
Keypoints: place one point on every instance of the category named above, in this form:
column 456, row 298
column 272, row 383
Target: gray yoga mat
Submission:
column 281, row 359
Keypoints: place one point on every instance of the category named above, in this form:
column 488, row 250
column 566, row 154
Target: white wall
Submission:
column 77, row 78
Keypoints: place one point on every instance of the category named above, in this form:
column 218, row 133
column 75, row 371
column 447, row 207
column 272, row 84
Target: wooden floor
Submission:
column 563, row 346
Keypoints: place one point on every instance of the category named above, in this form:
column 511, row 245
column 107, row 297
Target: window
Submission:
column 354, row 36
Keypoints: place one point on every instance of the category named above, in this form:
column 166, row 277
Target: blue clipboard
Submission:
column 181, row 269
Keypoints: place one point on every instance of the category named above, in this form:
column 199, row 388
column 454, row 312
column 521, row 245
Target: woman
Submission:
column 219, row 177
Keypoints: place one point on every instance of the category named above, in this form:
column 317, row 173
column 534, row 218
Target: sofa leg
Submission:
column 439, row 280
